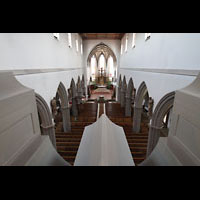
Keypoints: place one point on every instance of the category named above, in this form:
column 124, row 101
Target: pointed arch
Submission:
column 101, row 61
column 101, row 47
column 141, row 92
column 97, row 51
column 45, row 116
column 162, row 108
column 62, row 93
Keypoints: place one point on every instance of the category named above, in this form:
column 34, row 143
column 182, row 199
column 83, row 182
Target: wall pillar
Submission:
column 128, row 106
column 137, row 119
column 66, row 118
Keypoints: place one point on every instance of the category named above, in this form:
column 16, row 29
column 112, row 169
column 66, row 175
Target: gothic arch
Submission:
column 141, row 92
column 62, row 93
column 163, row 106
column 102, row 48
column 46, row 119
column 130, row 87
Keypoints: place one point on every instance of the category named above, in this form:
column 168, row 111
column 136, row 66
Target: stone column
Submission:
column 66, row 118
column 83, row 86
column 137, row 119
column 154, row 135
column 74, row 99
column 79, row 93
column 119, row 89
column 128, row 106
column 123, row 92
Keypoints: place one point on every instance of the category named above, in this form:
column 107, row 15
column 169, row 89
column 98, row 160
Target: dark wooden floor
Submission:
column 68, row 143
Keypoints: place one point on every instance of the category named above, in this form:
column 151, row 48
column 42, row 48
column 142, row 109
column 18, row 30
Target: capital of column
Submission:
column 47, row 127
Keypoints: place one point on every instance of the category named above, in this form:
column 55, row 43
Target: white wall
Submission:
column 41, row 51
column 37, row 50
column 161, row 51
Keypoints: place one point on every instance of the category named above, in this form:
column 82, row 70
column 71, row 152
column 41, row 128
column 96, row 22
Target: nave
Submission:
column 124, row 99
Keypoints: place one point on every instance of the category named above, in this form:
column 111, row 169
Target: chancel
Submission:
column 99, row 99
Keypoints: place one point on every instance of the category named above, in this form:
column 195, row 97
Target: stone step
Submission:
column 138, row 154
column 138, row 149
column 67, row 153
column 59, row 144
column 144, row 141
column 69, row 133
column 68, row 136
column 69, row 158
column 138, row 160
column 132, row 144
column 67, row 148
column 68, row 140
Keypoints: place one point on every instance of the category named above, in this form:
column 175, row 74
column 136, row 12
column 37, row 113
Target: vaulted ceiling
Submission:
column 102, row 36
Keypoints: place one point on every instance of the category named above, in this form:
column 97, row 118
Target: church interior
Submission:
column 99, row 99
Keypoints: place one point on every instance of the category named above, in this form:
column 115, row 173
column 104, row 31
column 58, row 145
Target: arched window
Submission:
column 93, row 67
column 77, row 48
column 102, row 62
column 69, row 39
column 111, row 70
column 121, row 48
column 133, row 41
column 126, row 43
column 81, row 47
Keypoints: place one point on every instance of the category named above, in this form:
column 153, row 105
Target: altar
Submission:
column 102, row 78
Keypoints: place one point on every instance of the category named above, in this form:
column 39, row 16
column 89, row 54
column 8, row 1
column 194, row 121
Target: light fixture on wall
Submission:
column 56, row 35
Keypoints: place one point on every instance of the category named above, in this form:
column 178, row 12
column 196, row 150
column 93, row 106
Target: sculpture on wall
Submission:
column 150, row 107
column 133, row 95
column 53, row 104
column 69, row 94
column 79, row 91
